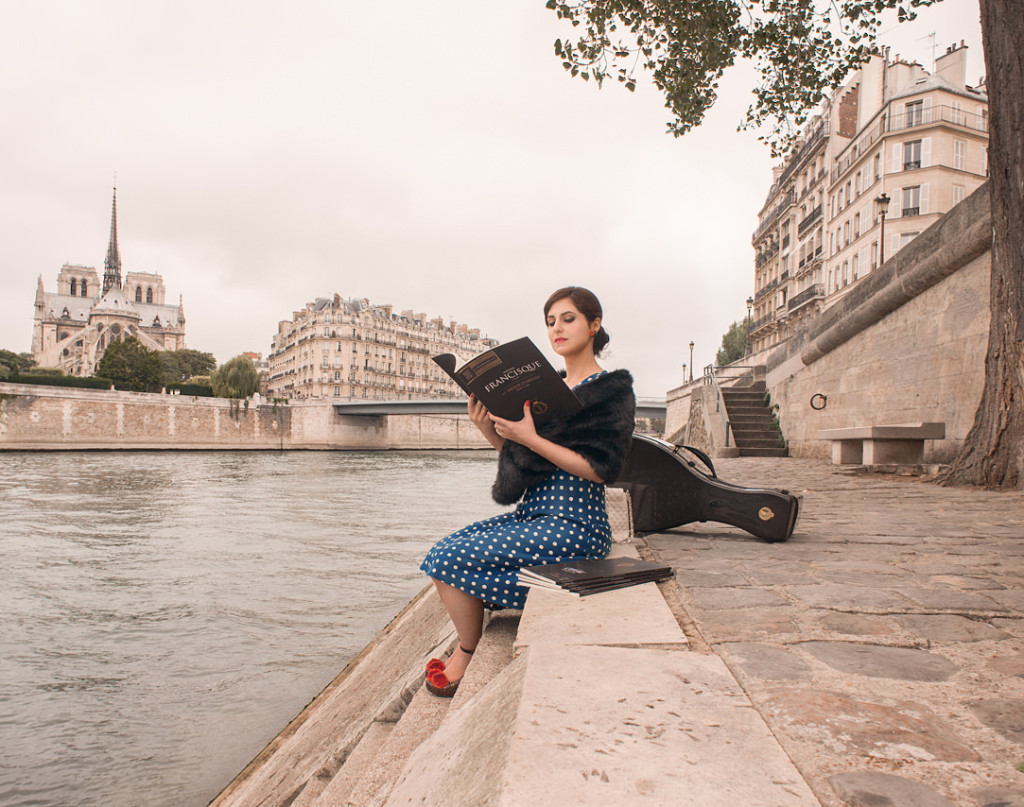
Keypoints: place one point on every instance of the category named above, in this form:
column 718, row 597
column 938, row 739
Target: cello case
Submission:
column 667, row 489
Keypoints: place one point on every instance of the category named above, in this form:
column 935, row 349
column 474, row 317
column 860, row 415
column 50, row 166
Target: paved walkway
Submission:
column 883, row 644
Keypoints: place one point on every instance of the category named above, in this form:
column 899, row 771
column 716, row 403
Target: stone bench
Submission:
column 899, row 444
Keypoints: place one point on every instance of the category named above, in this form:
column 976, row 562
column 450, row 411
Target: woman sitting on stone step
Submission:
column 556, row 473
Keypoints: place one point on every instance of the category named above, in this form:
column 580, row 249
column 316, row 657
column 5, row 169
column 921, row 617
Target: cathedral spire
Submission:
column 112, row 263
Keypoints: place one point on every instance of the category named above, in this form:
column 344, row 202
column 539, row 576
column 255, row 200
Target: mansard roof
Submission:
column 935, row 82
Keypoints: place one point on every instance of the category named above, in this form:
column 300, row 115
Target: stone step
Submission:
column 603, row 705
column 752, row 421
column 772, row 442
column 756, row 432
column 764, row 452
column 372, row 769
column 751, row 397
column 744, row 409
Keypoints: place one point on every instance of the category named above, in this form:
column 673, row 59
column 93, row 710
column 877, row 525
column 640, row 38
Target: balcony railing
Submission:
column 773, row 216
column 911, row 211
column 808, row 221
column 907, row 120
column 767, row 288
column 814, row 292
column 763, row 321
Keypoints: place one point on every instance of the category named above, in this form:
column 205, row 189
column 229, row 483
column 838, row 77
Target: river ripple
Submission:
column 165, row 614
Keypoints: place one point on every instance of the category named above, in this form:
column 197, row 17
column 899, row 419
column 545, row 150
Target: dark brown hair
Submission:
column 588, row 305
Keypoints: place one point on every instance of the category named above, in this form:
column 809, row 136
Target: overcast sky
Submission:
column 430, row 155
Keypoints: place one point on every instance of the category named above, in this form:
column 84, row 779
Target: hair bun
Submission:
column 601, row 339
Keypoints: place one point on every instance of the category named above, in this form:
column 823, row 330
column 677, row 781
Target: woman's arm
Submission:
column 525, row 433
column 480, row 416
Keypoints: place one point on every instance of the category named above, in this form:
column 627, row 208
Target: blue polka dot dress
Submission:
column 562, row 518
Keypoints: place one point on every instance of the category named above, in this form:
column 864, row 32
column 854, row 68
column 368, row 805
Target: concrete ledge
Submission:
column 604, row 704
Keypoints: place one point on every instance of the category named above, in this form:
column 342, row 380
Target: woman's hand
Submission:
column 481, row 419
column 522, row 431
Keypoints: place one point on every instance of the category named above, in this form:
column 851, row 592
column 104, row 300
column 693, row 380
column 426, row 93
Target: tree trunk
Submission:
column 993, row 453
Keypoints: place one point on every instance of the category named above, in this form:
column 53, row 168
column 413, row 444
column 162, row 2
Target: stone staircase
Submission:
column 753, row 424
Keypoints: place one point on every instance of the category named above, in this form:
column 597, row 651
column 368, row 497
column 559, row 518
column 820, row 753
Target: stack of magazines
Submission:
column 583, row 577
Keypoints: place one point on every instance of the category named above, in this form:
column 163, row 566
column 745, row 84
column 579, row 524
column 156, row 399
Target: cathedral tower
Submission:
column 112, row 263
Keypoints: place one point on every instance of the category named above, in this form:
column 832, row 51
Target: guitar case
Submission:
column 668, row 488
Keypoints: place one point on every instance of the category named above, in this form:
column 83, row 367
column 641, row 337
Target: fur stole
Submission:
column 600, row 432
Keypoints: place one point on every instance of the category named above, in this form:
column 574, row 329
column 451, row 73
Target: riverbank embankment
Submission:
column 876, row 657
column 599, row 701
column 43, row 418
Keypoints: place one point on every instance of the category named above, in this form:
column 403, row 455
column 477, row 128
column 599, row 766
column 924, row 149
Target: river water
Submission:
column 165, row 614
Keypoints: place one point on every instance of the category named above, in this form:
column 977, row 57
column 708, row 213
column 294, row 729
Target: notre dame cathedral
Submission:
column 74, row 325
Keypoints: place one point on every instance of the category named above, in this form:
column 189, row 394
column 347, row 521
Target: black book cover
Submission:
column 597, row 586
column 582, row 571
column 506, row 377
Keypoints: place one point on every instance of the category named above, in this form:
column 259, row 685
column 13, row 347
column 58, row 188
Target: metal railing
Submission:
column 732, row 375
column 712, row 379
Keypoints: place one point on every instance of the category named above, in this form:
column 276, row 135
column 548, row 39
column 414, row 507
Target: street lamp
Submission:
column 691, row 360
column 750, row 304
column 883, row 208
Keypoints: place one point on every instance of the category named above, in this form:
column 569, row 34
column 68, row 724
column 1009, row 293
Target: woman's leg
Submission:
column 467, row 614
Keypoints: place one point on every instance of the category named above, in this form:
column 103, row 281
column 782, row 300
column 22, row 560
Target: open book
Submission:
column 504, row 378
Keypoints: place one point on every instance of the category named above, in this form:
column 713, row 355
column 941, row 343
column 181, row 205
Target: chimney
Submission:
column 952, row 65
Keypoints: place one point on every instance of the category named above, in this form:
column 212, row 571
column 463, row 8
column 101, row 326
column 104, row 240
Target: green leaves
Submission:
column 237, row 378
column 132, row 364
column 802, row 50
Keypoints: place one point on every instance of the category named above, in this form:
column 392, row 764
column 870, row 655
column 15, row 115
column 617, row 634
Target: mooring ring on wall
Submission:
column 818, row 401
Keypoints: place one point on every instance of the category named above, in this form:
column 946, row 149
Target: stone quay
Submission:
column 876, row 658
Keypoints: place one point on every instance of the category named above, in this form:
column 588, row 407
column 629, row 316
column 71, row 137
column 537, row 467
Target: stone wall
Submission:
column 908, row 345
column 61, row 418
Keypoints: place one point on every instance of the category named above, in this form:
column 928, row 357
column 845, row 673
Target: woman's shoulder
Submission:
column 607, row 384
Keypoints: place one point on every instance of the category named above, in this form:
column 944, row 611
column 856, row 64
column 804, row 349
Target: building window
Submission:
column 906, row 238
column 149, row 295
column 855, row 266
column 856, row 226
column 914, row 113
column 911, row 155
column 960, row 155
column 912, row 201
column 874, row 255
column 337, row 392
column 878, row 166
column 138, row 294
column 958, row 113
column 958, row 194
column 74, row 287
column 83, row 287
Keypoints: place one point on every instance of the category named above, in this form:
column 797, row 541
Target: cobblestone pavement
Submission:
column 883, row 643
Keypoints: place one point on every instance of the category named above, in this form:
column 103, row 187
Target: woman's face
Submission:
column 568, row 329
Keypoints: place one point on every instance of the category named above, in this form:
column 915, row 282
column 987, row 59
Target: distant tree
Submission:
column 11, row 363
column 734, row 344
column 50, row 372
column 237, row 378
column 132, row 364
column 181, row 365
